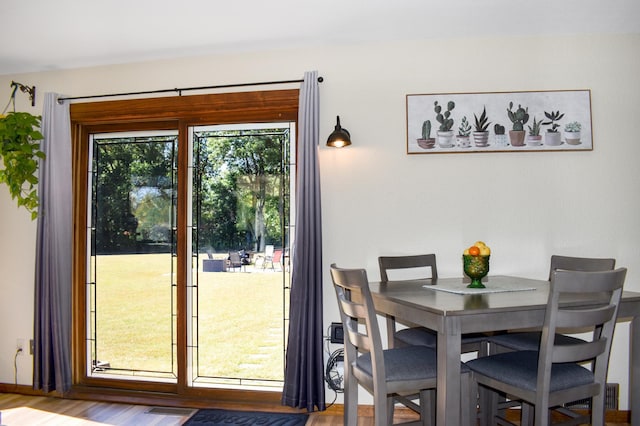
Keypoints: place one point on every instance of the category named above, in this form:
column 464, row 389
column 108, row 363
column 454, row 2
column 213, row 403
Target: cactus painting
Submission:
column 534, row 138
column 481, row 135
column 500, row 139
column 445, row 134
column 465, row 127
column 499, row 121
column 426, row 142
column 519, row 118
column 552, row 137
column 464, row 130
column 444, row 118
column 572, row 133
column 552, row 117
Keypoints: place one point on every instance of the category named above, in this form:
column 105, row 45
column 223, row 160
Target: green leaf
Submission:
column 20, row 152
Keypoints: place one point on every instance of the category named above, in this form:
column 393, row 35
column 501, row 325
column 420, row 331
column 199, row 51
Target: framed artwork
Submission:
column 558, row 120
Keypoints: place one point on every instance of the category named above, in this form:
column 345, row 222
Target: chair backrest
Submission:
column 277, row 256
column 601, row 291
column 360, row 325
column 587, row 264
column 419, row 263
column 234, row 257
column 268, row 251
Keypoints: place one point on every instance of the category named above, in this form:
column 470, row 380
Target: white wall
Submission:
column 378, row 200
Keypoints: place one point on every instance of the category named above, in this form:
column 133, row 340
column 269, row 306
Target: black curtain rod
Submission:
column 184, row 89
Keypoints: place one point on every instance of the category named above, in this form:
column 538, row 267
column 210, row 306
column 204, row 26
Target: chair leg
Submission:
column 597, row 409
column 483, row 348
column 475, row 409
column 428, row 407
column 542, row 415
column 350, row 403
column 391, row 328
column 488, row 400
column 380, row 411
column 468, row 412
column 526, row 414
column 390, row 407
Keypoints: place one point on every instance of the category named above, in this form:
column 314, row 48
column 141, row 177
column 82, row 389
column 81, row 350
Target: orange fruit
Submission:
column 474, row 251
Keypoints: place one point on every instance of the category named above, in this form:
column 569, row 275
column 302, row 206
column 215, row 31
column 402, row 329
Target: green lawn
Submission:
column 238, row 318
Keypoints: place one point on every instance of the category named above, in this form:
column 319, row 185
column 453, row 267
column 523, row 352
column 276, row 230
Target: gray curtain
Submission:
column 52, row 323
column 303, row 381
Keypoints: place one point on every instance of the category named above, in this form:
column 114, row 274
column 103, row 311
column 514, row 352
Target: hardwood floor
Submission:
column 21, row 410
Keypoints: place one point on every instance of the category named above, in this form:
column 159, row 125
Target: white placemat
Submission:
column 461, row 288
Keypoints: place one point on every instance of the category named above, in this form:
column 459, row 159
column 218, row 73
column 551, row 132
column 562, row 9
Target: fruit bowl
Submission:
column 476, row 268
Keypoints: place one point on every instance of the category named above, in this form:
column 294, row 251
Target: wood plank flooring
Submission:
column 24, row 410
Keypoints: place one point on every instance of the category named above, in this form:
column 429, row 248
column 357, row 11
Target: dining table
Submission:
column 448, row 307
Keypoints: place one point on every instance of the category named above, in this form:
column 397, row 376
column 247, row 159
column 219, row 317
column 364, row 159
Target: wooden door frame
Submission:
column 164, row 113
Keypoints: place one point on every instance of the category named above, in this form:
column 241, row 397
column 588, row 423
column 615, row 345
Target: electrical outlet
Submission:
column 20, row 345
column 337, row 333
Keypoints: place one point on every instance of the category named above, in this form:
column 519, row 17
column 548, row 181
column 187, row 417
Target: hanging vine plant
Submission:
column 20, row 154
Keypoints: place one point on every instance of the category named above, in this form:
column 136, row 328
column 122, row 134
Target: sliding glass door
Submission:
column 240, row 235
column 237, row 237
column 131, row 281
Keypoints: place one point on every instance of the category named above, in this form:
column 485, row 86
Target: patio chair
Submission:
column 275, row 257
column 235, row 261
column 267, row 256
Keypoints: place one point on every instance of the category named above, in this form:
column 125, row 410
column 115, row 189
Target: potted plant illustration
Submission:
column 572, row 133
column 426, row 142
column 500, row 137
column 534, row 137
column 552, row 137
column 445, row 134
column 464, row 130
column 519, row 118
column 481, row 134
column 19, row 155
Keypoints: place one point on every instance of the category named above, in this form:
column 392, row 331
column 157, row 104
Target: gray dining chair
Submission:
column 557, row 373
column 420, row 267
column 530, row 340
column 383, row 372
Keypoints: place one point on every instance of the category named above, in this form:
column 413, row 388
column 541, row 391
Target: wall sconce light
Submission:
column 339, row 137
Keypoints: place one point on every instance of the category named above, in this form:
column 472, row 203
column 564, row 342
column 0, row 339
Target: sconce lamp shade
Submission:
column 339, row 137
